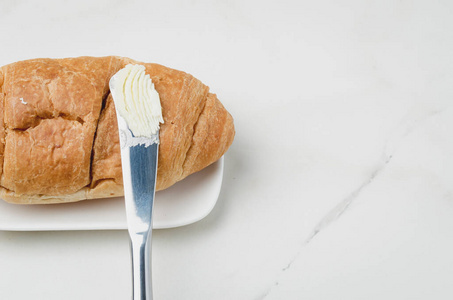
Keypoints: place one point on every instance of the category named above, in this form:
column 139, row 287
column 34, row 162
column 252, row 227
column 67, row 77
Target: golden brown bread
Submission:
column 59, row 137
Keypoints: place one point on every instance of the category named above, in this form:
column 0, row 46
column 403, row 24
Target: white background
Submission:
column 339, row 181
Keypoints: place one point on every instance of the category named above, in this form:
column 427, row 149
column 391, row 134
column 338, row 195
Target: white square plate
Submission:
column 186, row 202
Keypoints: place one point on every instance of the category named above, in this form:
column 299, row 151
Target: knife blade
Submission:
column 139, row 159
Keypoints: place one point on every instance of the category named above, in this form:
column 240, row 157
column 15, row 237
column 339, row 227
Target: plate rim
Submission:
column 119, row 224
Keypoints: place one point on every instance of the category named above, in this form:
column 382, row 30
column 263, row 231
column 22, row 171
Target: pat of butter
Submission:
column 136, row 100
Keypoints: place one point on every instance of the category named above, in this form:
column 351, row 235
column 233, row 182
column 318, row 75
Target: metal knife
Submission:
column 139, row 158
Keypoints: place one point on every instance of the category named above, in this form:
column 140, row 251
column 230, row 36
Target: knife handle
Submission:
column 141, row 266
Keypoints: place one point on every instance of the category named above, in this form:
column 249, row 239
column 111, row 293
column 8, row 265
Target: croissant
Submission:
column 59, row 137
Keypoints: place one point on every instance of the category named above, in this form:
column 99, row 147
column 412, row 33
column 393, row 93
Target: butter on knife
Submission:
column 136, row 100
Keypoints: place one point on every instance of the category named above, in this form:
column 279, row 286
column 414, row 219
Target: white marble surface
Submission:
column 339, row 182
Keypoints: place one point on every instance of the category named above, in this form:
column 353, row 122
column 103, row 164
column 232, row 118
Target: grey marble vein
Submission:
column 341, row 207
column 408, row 125
column 333, row 215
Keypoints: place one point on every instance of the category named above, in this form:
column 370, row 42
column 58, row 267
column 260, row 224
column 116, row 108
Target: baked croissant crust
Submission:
column 59, row 136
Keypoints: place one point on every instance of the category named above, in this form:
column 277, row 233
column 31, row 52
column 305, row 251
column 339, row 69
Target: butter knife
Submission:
column 139, row 163
column 139, row 113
